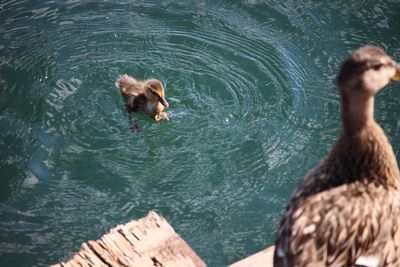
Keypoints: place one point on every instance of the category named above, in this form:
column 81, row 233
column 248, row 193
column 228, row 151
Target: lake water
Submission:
column 253, row 106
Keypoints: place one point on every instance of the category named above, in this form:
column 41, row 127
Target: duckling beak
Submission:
column 164, row 102
column 396, row 76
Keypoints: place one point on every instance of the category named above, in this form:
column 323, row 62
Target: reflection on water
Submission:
column 253, row 106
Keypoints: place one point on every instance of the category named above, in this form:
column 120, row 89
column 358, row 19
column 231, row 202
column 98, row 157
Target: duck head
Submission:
column 366, row 71
column 154, row 91
column 363, row 74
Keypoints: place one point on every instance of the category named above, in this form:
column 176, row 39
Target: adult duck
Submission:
column 348, row 207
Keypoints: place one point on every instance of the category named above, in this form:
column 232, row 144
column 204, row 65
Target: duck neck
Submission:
column 357, row 114
column 364, row 146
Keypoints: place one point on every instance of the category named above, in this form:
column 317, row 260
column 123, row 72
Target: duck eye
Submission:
column 377, row 66
column 154, row 93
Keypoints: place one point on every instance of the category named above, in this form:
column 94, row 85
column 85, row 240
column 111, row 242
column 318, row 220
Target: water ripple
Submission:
column 253, row 106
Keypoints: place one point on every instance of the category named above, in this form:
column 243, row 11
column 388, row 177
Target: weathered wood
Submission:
column 264, row 258
column 150, row 241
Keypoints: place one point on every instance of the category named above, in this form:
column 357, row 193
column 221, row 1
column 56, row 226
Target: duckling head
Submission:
column 366, row 71
column 154, row 91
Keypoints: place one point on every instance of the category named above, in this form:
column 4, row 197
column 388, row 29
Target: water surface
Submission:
column 253, row 106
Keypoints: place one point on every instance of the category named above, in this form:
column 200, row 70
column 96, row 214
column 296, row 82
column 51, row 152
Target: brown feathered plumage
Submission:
column 348, row 206
column 147, row 97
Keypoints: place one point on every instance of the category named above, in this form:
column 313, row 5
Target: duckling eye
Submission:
column 157, row 95
column 153, row 92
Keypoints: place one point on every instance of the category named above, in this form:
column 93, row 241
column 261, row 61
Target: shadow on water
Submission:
column 253, row 106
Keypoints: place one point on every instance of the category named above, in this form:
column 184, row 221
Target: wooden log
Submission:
column 152, row 242
column 147, row 242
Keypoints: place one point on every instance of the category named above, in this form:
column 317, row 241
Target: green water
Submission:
column 253, row 106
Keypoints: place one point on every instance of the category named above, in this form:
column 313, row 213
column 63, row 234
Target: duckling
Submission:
column 348, row 206
column 145, row 97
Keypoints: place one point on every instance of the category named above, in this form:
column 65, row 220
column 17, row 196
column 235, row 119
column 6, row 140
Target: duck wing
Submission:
column 337, row 226
column 127, row 84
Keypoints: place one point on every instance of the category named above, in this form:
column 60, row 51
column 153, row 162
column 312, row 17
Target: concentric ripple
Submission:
column 253, row 106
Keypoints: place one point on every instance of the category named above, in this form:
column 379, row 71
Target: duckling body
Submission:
column 348, row 206
column 145, row 97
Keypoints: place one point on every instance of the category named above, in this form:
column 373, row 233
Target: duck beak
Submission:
column 396, row 76
column 164, row 102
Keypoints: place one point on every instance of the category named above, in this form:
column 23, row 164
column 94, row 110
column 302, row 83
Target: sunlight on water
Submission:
column 253, row 106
